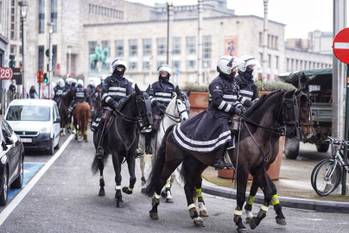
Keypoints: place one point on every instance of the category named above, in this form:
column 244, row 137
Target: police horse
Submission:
column 81, row 118
column 121, row 140
column 176, row 112
column 261, row 127
column 63, row 105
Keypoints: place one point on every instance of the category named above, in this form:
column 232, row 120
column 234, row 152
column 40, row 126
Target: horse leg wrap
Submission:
column 238, row 220
column 280, row 218
column 132, row 183
column 192, row 211
column 101, row 182
column 275, row 199
column 202, row 209
column 255, row 221
column 155, row 201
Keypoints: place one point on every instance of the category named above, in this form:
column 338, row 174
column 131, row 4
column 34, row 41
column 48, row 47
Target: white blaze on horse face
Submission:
column 117, row 187
column 182, row 110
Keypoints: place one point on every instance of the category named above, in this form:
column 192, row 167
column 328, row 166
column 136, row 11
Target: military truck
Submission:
column 317, row 83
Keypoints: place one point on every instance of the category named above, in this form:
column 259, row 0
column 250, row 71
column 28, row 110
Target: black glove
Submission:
column 239, row 110
column 248, row 103
column 114, row 104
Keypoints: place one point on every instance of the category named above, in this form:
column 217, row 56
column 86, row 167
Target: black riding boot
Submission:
column 220, row 163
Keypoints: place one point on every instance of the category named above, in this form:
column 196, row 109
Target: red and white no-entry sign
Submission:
column 341, row 45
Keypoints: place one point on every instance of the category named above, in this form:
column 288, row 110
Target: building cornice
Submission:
column 179, row 20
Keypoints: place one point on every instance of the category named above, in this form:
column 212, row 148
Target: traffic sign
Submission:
column 341, row 45
column 5, row 73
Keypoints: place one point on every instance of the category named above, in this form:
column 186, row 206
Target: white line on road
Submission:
column 19, row 197
column 341, row 45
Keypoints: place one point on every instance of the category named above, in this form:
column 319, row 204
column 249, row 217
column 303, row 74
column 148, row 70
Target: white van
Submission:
column 36, row 122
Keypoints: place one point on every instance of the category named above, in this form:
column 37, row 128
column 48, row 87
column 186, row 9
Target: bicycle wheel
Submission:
column 327, row 177
column 312, row 178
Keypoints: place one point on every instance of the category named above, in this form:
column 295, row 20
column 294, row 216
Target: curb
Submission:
column 299, row 203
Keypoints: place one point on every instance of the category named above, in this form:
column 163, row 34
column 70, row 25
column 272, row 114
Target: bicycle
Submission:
column 328, row 173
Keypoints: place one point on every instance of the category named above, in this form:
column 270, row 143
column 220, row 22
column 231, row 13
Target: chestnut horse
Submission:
column 81, row 116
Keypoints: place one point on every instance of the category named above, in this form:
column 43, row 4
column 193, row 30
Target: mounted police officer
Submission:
column 58, row 90
column 79, row 95
column 248, row 89
column 115, row 90
column 211, row 130
column 161, row 93
column 225, row 100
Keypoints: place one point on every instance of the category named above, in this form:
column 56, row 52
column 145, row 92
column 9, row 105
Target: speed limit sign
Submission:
column 6, row 73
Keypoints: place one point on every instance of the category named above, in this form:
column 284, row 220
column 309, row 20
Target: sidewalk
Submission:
column 293, row 186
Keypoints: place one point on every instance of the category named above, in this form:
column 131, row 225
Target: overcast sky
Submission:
column 300, row 16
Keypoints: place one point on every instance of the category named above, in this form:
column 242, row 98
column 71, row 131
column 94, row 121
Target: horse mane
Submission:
column 261, row 102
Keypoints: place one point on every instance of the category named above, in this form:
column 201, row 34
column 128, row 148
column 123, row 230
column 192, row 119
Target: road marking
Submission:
column 341, row 45
column 13, row 204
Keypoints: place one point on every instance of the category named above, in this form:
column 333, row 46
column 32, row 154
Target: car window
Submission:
column 28, row 113
column 54, row 113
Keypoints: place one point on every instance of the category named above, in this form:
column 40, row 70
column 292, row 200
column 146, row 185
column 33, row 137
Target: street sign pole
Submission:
column 346, row 133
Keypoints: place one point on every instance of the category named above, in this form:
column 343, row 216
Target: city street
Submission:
column 65, row 200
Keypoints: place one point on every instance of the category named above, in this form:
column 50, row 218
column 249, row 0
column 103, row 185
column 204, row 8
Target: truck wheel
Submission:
column 322, row 147
column 291, row 148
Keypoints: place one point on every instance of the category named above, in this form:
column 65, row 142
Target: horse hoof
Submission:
column 203, row 213
column 281, row 221
column 253, row 223
column 241, row 230
column 248, row 220
column 144, row 181
column 126, row 190
column 198, row 222
column 169, row 200
column 119, row 204
column 153, row 215
column 101, row 193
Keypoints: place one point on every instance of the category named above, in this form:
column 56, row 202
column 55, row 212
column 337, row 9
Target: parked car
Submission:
column 318, row 85
column 11, row 161
column 37, row 122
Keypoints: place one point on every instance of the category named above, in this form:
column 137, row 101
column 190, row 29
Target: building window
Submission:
column 132, row 65
column 92, row 52
column 190, row 44
column 54, row 56
column 54, row 14
column 146, row 65
column 161, row 45
column 260, row 58
column 277, row 62
column 132, row 47
column 305, row 65
column 176, row 42
column 206, row 51
column 176, row 65
column 119, row 48
column 41, row 51
column 147, row 47
column 41, row 16
column 269, row 60
column 276, row 43
column 191, row 64
column 105, row 55
column 260, row 39
column 287, row 64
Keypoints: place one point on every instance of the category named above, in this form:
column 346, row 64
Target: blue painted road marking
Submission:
column 30, row 169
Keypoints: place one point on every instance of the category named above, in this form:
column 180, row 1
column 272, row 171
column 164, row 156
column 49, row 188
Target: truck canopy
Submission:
column 322, row 77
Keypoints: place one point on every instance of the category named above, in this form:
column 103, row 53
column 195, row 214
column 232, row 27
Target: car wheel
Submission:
column 18, row 183
column 3, row 188
column 291, row 148
column 51, row 150
column 57, row 146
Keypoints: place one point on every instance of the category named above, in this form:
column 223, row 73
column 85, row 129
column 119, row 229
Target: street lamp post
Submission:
column 49, row 71
column 23, row 9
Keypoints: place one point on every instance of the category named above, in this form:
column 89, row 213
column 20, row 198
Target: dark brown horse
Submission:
column 262, row 126
column 63, row 106
column 81, row 117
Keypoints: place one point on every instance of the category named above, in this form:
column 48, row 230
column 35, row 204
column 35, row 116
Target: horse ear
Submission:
column 137, row 89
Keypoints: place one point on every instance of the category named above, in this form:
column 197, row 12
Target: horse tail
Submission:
column 96, row 162
column 158, row 165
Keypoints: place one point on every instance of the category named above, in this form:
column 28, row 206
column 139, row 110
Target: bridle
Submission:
column 175, row 118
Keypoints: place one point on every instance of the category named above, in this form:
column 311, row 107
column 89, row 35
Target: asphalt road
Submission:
column 65, row 200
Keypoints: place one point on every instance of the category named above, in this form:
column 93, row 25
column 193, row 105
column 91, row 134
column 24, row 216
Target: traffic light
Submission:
column 40, row 76
column 12, row 62
column 45, row 78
